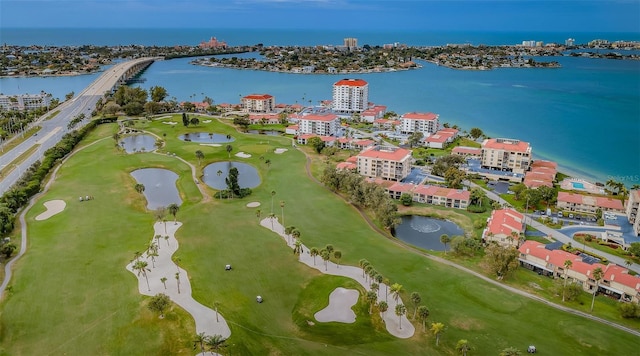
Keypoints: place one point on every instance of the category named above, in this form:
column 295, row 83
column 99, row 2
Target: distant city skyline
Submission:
column 384, row 15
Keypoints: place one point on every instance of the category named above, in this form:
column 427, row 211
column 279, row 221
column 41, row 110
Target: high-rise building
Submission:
column 258, row 103
column 633, row 204
column 427, row 123
column 351, row 42
column 388, row 163
column 25, row 101
column 506, row 155
column 350, row 96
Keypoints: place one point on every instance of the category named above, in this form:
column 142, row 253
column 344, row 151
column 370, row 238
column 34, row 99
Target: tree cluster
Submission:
column 362, row 194
column 233, row 187
column 465, row 246
column 131, row 100
column 501, row 260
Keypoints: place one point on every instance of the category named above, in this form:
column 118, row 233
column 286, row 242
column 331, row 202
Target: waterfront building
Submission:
column 465, row 151
column 319, row 124
column 387, row 124
column 504, row 227
column 388, row 163
column 258, row 103
column 579, row 203
column 441, row 139
column 507, row 155
column 350, row 96
column 633, row 204
column 427, row 123
column 570, row 42
column 265, row 119
column 213, row 43
column 374, row 113
column 350, row 43
column 25, row 101
column 616, row 281
column 436, row 195
column 542, row 173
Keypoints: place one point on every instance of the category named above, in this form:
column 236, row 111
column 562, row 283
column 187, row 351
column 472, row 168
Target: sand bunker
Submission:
column 206, row 121
column 280, row 151
column 243, row 155
column 53, row 207
column 339, row 309
column 211, row 144
column 169, row 123
column 253, row 204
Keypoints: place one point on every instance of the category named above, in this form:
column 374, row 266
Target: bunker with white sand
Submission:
column 341, row 301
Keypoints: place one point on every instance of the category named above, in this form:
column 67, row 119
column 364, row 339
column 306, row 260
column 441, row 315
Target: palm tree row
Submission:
column 214, row 343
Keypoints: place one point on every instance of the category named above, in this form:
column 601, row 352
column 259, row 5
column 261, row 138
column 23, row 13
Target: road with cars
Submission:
column 54, row 128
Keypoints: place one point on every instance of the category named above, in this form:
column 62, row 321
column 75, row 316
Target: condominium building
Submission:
column 504, row 227
column 25, row 101
column 573, row 202
column 350, row 96
column 385, row 162
column 427, row 123
column 633, row 204
column 321, row 125
column 258, row 103
column 351, row 43
column 506, row 155
column 616, row 281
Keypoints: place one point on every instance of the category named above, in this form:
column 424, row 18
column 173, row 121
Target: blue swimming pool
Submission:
column 577, row 185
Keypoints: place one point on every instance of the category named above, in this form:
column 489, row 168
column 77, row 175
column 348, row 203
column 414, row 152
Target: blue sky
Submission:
column 464, row 15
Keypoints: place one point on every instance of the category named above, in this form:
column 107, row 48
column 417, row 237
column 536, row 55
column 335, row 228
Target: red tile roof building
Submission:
column 467, row 151
column 504, row 227
column 213, row 43
column 427, row 194
column 587, row 203
column 616, row 281
column 542, row 173
column 427, row 123
column 441, row 138
column 258, row 103
column 384, row 162
column 387, row 124
column 321, row 125
column 506, row 155
column 350, row 96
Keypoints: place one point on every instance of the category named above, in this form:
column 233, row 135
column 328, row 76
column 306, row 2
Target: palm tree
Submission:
column 437, row 329
column 273, row 192
column 371, row 298
column 137, row 255
column 142, row 268
column 375, row 287
column 463, row 346
column 387, row 282
column 215, row 306
column 367, row 270
column 597, row 275
column 628, row 263
column 161, row 215
column 200, row 339
column 325, row 257
column 445, row 239
column 297, row 248
column 158, row 237
column 215, row 342
column 400, row 311
column 200, row 157
column 363, row 264
column 152, row 252
column 416, row 299
column 139, row 187
column 314, row 252
column 287, row 231
column 567, row 266
column 337, row 255
column 178, row 281
column 229, row 149
column 258, row 213
column 166, row 238
column 383, row 307
column 173, row 209
column 329, row 248
column 271, row 217
column 395, row 291
column 164, row 282
column 282, row 210
column 423, row 314
column 295, row 233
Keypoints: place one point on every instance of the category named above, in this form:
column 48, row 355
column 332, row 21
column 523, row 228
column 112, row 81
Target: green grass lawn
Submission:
column 72, row 295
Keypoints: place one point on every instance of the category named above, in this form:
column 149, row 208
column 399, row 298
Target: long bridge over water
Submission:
column 14, row 162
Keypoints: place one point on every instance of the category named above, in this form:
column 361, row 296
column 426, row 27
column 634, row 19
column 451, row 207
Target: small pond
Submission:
column 425, row 232
column 216, row 173
column 138, row 143
column 159, row 186
column 205, row 137
column 265, row 132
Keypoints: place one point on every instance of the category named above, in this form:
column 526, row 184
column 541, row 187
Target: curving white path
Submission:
column 204, row 317
column 392, row 321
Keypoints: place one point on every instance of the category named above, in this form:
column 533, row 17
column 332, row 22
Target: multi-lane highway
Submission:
column 54, row 128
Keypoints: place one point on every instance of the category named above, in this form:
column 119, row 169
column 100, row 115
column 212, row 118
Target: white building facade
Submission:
column 350, row 96
column 321, row 125
column 427, row 123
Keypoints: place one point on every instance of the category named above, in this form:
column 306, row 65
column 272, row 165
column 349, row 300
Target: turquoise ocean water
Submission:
column 585, row 115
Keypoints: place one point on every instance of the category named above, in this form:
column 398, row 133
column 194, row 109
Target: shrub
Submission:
column 629, row 310
column 476, row 209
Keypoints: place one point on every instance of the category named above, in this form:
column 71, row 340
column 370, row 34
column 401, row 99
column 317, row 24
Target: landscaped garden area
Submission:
column 71, row 294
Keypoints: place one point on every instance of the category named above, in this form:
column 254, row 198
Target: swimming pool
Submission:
column 577, row 185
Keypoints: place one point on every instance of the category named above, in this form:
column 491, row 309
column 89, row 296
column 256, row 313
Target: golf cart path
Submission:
column 180, row 293
column 398, row 327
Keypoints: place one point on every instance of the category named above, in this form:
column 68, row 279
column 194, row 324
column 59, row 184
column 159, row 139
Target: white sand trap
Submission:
column 206, row 121
column 53, row 207
column 243, row 155
column 280, row 151
column 211, row 144
column 253, row 204
column 169, row 123
column 339, row 309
